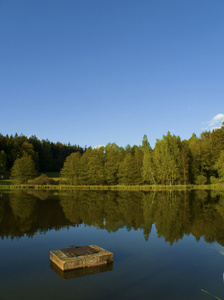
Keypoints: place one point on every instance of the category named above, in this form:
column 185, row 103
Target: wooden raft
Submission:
column 80, row 257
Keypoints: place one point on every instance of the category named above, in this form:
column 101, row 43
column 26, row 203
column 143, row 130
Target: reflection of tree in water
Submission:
column 91, row 208
column 21, row 213
column 131, row 210
column 175, row 214
column 106, row 210
column 23, row 207
column 219, row 230
column 206, row 219
column 148, row 203
column 6, row 219
column 40, row 194
column 71, row 207
column 167, row 211
column 182, row 213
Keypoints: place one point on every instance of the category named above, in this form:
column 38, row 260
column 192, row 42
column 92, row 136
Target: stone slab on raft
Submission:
column 80, row 257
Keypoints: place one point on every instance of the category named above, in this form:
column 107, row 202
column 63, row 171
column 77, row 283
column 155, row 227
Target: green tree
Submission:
column 219, row 166
column 145, row 143
column 217, row 137
column 207, row 155
column 185, row 163
column 195, row 150
column 96, row 166
column 167, row 159
column 128, row 170
column 23, row 169
column 138, row 161
column 3, row 161
column 91, row 170
column 148, row 166
column 70, row 170
column 46, row 157
column 113, row 157
column 83, row 168
column 27, row 149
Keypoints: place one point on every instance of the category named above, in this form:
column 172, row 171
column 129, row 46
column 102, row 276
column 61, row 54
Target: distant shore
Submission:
column 115, row 187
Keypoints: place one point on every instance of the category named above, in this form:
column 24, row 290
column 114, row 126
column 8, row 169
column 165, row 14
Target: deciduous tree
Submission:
column 23, row 169
column 3, row 161
column 70, row 170
column 148, row 166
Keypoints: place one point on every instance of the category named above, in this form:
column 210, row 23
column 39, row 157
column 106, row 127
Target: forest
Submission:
column 172, row 161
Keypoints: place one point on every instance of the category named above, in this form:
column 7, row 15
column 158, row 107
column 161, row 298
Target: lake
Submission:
column 166, row 245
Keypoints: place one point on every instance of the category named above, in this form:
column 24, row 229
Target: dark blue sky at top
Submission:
column 93, row 72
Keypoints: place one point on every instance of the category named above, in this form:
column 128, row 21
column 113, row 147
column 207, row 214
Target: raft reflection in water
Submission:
column 80, row 272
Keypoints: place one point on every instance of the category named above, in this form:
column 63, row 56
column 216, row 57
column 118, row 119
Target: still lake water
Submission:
column 166, row 245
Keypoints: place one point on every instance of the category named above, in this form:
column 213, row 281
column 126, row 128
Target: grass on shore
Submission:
column 10, row 186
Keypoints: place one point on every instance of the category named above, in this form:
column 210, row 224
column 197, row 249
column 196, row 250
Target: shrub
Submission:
column 201, row 179
column 42, row 180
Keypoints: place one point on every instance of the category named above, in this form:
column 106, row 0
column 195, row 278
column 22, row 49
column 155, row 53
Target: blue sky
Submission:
column 90, row 72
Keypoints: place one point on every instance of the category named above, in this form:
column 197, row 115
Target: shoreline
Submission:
column 114, row 187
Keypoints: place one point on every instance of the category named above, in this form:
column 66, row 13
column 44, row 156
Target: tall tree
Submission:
column 167, row 159
column 113, row 157
column 91, row 170
column 70, row 170
column 96, row 166
column 138, row 161
column 128, row 170
column 148, row 166
column 219, row 166
column 46, row 156
column 3, row 161
column 185, row 163
column 23, row 169
column 207, row 162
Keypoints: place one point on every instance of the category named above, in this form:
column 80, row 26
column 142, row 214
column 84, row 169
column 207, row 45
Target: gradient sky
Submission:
column 90, row 72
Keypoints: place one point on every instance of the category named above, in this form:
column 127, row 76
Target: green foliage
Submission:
column 113, row 158
column 42, row 180
column 3, row 161
column 70, row 170
column 48, row 156
column 23, row 170
column 91, row 171
column 200, row 180
column 214, row 180
column 95, row 171
column 148, row 167
column 138, row 159
column 167, row 156
column 185, row 163
column 219, row 165
column 128, row 170
column 171, row 162
column 145, row 143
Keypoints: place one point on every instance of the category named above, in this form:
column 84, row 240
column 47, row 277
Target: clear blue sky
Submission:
column 91, row 72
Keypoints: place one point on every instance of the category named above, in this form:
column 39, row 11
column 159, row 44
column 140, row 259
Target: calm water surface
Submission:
column 165, row 245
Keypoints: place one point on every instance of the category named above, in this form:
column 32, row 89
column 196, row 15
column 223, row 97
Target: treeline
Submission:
column 172, row 161
column 47, row 156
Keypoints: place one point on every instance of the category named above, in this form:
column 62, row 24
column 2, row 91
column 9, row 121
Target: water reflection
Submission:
column 175, row 214
column 80, row 272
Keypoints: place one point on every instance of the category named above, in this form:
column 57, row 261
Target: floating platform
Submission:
column 80, row 257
